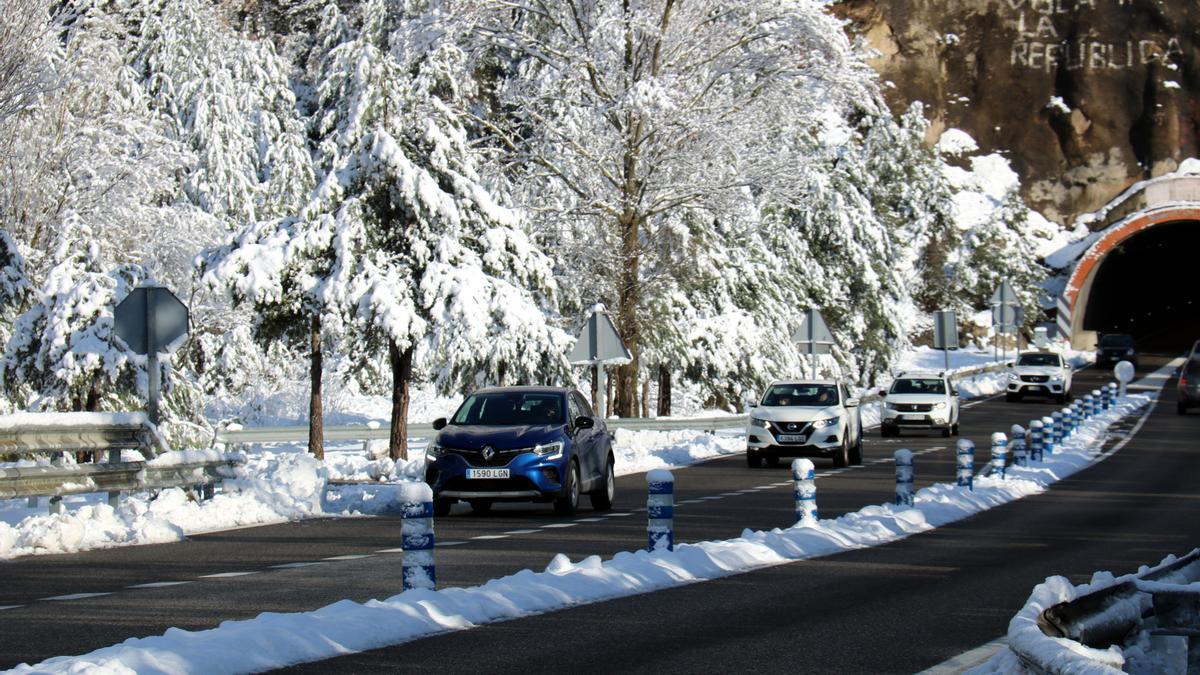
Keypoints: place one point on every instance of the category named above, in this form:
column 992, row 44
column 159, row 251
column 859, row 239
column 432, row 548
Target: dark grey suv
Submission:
column 1114, row 348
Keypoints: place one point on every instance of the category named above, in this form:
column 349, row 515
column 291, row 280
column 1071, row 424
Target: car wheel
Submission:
column 441, row 506
column 772, row 462
column 1181, row 408
column 1062, row 399
column 602, row 497
column 842, row 458
column 886, row 431
column 568, row 503
column 954, row 428
column 1011, row 397
column 480, row 505
column 753, row 459
column 856, row 454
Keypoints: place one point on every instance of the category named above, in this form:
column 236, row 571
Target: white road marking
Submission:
column 772, row 486
column 729, row 494
column 349, row 557
column 556, row 526
column 743, row 492
column 619, row 515
column 226, row 575
column 4, row 607
column 690, row 501
column 520, row 531
column 393, row 550
column 449, row 543
column 588, row 520
column 160, row 584
column 711, row 498
column 490, row 536
column 77, row 596
column 783, row 484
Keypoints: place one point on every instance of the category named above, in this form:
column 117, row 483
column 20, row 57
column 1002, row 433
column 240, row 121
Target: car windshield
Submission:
column 1116, row 341
column 917, row 385
column 817, row 395
column 1038, row 360
column 511, row 408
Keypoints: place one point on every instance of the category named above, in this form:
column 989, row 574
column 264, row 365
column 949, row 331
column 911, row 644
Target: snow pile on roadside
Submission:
column 277, row 640
column 640, row 451
column 269, row 488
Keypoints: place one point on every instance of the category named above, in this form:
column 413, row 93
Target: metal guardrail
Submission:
column 1099, row 619
column 298, row 433
column 60, row 480
column 56, row 437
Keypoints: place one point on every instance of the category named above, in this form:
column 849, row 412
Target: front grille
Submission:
column 475, row 457
column 914, row 407
column 790, row 427
column 515, row 484
column 1035, row 378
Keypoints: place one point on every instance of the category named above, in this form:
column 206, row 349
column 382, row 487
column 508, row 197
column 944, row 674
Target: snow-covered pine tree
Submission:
column 431, row 269
column 623, row 114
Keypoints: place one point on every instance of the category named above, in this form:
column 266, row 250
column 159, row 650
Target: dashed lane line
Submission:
column 619, row 515
column 395, row 550
column 348, row 557
column 521, row 531
column 160, row 584
column 4, row 607
column 558, row 526
column 589, row 520
column 77, row 596
column 446, row 543
column 488, row 537
column 226, row 575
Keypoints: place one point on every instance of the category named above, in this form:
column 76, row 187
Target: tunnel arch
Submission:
column 1171, row 202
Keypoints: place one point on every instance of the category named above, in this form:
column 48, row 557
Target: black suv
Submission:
column 1114, row 348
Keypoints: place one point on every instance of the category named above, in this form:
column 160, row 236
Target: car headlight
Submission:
column 889, row 405
column 939, row 405
column 434, row 450
column 1129, row 352
column 1013, row 377
column 754, row 421
column 821, row 424
column 546, row 449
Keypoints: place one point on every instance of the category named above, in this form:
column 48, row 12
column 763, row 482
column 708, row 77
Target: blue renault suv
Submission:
column 539, row 444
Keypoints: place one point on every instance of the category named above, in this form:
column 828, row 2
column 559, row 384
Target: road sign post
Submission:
column 149, row 320
column 1007, row 315
column 813, row 337
column 945, row 332
column 596, row 345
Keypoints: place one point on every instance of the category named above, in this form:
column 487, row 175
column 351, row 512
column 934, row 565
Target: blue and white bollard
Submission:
column 416, row 536
column 1104, row 402
column 804, row 481
column 1076, row 415
column 1000, row 454
column 1059, row 429
column 1049, row 435
column 1113, row 390
column 1035, row 440
column 1068, row 421
column 660, row 511
column 965, row 462
column 904, row 477
column 1089, row 407
column 1016, row 446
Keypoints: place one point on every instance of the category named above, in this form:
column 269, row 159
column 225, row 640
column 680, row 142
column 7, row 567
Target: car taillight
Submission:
column 1183, row 379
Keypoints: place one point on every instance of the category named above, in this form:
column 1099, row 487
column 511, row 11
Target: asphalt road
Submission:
column 898, row 608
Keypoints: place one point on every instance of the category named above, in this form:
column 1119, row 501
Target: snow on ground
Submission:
column 274, row 640
column 282, row 482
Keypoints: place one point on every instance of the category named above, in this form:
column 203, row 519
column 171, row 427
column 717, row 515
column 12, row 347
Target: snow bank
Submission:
column 276, row 640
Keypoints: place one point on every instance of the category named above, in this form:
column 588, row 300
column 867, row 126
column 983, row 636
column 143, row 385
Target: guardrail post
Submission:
column 56, row 505
column 904, row 477
column 1017, row 446
column 1000, row 454
column 1036, row 446
column 416, row 535
column 965, row 461
column 660, row 511
column 805, row 491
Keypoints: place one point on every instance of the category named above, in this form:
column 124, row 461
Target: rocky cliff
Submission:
column 1085, row 96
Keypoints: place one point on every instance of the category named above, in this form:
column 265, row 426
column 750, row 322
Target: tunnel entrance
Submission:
column 1149, row 286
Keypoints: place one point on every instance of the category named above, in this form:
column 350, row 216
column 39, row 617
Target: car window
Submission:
column 1039, row 360
column 585, row 408
column 573, row 409
column 508, row 408
column 1116, row 340
column 917, row 385
column 819, row 395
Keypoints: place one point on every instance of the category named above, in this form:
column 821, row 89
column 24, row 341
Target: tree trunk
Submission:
column 609, row 399
column 664, row 392
column 316, row 413
column 628, row 324
column 596, row 390
column 644, row 409
column 401, row 375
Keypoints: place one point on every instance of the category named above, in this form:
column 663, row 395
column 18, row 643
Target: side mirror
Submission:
column 583, row 422
column 1010, row 364
column 439, row 424
column 752, row 404
column 851, row 402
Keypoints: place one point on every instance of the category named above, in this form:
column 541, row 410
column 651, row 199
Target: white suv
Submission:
column 805, row 418
column 920, row 401
column 1040, row 374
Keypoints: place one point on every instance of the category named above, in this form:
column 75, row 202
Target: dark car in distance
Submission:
column 1114, row 348
column 540, row 444
column 1189, row 381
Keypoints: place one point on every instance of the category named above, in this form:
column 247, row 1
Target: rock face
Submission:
column 1085, row 96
